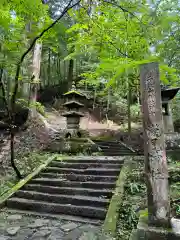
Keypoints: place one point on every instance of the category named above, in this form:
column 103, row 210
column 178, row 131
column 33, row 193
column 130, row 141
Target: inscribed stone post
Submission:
column 156, row 171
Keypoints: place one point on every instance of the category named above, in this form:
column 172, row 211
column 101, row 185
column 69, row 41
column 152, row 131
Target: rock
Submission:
column 56, row 234
column 69, row 226
column 88, row 236
column 89, row 228
column 94, row 236
column 3, row 238
column 73, row 235
column 14, row 217
column 41, row 233
column 12, row 230
column 39, row 223
column 175, row 225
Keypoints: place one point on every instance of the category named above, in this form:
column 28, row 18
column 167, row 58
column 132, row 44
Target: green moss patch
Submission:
column 73, row 92
column 103, row 138
column 112, row 216
column 22, row 182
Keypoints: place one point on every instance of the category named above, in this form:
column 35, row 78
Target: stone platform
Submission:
column 20, row 226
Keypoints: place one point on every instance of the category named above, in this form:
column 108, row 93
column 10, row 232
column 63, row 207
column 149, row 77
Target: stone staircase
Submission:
column 78, row 188
column 114, row 148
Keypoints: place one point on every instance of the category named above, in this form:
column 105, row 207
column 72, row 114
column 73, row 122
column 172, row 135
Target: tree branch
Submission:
column 68, row 7
column 11, row 108
column 120, row 7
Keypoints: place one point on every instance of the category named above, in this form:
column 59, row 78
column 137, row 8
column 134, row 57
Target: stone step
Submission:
column 81, row 165
column 119, row 154
column 106, row 142
column 48, row 207
column 95, row 160
column 116, row 150
column 56, row 216
column 93, row 171
column 78, row 177
column 107, row 193
column 63, row 199
column 60, row 183
column 113, row 146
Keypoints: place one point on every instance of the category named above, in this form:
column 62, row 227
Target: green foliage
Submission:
column 40, row 108
column 121, row 41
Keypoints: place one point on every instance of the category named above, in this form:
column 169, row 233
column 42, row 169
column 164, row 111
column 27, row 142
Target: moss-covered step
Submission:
column 57, row 208
column 114, row 148
column 104, row 193
column 88, row 171
column 74, row 184
column 79, row 177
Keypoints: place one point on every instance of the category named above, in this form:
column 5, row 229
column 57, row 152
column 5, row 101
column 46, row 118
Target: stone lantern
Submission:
column 73, row 114
column 167, row 95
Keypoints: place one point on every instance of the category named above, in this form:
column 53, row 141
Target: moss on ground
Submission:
column 111, row 220
column 135, row 202
column 27, row 164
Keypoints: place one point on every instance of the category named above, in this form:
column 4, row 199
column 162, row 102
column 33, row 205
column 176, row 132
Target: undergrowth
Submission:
column 135, row 198
column 28, row 163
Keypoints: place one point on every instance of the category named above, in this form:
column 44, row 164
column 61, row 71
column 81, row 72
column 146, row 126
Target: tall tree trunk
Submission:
column 49, row 66
column 64, row 71
column 11, row 124
column 129, row 108
column 35, row 76
column 70, row 73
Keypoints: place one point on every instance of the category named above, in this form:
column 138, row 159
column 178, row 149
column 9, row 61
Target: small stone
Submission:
column 68, row 227
column 42, row 233
column 3, row 238
column 12, row 230
column 175, row 225
column 89, row 228
column 14, row 217
column 56, row 234
column 73, row 235
column 88, row 236
column 39, row 223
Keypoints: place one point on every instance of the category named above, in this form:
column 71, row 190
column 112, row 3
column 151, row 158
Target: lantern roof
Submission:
column 73, row 103
column 168, row 94
column 73, row 114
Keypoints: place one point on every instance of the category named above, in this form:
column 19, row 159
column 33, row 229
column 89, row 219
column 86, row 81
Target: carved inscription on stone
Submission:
column 150, row 89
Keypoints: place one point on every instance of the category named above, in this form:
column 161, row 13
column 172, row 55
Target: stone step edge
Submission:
column 93, row 158
column 56, row 216
column 70, row 188
column 56, row 163
column 107, row 193
column 74, row 197
column 58, row 180
column 83, row 170
column 76, row 175
column 83, row 211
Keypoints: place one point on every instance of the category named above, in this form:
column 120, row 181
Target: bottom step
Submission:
column 55, row 216
column 46, row 207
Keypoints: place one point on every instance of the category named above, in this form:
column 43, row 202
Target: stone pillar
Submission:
column 167, row 119
column 156, row 171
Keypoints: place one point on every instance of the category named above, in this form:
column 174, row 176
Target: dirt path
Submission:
column 88, row 122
